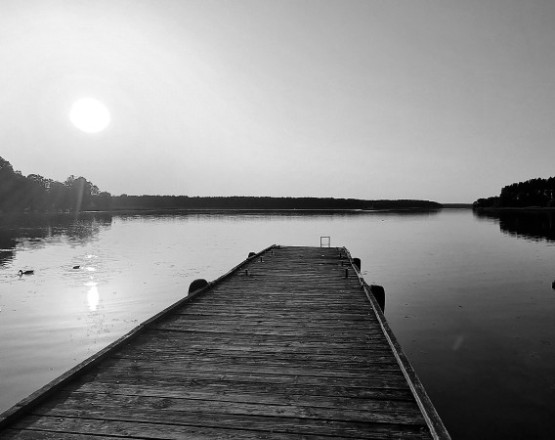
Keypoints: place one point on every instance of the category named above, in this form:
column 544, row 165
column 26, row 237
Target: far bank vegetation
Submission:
column 531, row 193
column 35, row 193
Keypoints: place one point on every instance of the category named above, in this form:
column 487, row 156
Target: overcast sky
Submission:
column 440, row 100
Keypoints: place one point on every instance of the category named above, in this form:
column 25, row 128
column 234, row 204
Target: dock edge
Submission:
column 430, row 414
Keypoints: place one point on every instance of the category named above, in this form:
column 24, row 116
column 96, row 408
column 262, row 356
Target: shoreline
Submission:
column 517, row 209
column 132, row 211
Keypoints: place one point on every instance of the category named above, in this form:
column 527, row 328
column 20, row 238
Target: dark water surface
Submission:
column 469, row 297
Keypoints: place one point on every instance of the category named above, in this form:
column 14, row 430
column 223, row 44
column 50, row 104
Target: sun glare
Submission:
column 89, row 115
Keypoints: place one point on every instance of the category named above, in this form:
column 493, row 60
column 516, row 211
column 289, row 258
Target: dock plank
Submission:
column 327, row 395
column 68, row 428
column 288, row 345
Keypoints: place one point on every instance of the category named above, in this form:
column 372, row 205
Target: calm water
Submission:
column 468, row 297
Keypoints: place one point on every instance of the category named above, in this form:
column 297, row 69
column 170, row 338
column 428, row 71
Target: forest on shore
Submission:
column 35, row 193
column 534, row 193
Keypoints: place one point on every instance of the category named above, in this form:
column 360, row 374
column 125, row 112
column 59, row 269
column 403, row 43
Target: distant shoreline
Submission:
column 145, row 204
column 456, row 205
column 517, row 208
column 154, row 211
column 263, row 210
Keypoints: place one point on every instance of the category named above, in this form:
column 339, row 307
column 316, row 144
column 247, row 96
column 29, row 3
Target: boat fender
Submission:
column 197, row 285
column 379, row 294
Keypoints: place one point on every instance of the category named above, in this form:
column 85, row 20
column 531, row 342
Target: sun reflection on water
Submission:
column 93, row 296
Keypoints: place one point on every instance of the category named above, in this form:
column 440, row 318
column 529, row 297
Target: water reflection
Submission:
column 241, row 214
column 7, row 246
column 530, row 225
column 93, row 297
column 35, row 231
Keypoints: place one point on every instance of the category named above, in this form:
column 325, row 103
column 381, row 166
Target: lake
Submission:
column 469, row 297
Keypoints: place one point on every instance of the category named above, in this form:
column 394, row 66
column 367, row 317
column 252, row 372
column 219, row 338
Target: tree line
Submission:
column 35, row 193
column 531, row 193
column 262, row 203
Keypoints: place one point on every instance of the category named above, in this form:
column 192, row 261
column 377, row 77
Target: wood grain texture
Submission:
column 284, row 347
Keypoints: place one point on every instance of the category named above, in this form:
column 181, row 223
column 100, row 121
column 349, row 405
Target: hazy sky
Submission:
column 440, row 100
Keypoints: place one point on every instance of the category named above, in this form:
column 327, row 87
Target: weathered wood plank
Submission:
column 257, row 313
column 26, row 434
column 252, row 361
column 292, row 401
column 207, row 343
column 330, row 395
column 289, row 304
column 168, row 351
column 336, row 334
column 162, row 368
column 261, row 325
column 224, row 342
column 386, row 380
column 293, row 322
column 161, row 431
column 68, row 428
column 126, row 407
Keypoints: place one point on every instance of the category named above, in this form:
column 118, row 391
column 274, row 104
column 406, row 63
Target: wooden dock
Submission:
column 290, row 344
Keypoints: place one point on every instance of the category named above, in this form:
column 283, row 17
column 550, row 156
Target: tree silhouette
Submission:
column 38, row 193
column 531, row 193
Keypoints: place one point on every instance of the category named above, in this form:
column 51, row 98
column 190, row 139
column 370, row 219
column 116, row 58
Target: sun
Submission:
column 89, row 115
